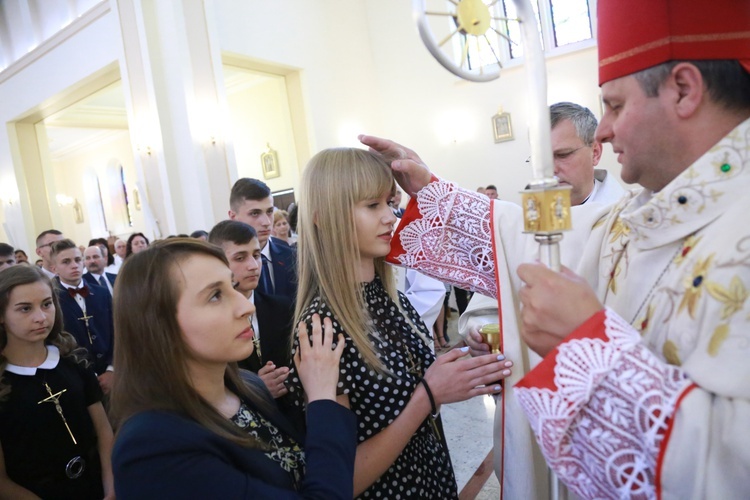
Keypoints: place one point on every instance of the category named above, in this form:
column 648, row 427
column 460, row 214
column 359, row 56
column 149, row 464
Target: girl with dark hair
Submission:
column 55, row 439
column 192, row 424
column 136, row 243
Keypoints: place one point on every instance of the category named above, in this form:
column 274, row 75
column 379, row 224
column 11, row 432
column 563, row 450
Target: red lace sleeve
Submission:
column 600, row 405
column 446, row 233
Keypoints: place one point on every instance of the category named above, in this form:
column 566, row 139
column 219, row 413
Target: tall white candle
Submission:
column 538, row 113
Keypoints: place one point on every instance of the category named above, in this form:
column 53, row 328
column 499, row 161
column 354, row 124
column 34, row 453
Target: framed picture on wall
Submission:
column 269, row 162
column 502, row 128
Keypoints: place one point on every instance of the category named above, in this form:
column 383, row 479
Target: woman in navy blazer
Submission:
column 192, row 425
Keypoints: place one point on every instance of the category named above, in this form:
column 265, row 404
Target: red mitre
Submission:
column 636, row 34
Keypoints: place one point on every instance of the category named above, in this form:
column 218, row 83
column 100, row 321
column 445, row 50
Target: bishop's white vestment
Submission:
column 650, row 397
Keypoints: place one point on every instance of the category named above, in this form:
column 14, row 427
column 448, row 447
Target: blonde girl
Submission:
column 388, row 374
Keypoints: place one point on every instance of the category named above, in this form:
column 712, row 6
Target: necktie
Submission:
column 103, row 282
column 265, row 277
column 83, row 291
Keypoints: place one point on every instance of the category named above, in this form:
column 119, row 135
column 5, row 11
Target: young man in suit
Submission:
column 86, row 308
column 251, row 202
column 95, row 263
column 272, row 321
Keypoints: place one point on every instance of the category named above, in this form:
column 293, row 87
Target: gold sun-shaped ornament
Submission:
column 463, row 35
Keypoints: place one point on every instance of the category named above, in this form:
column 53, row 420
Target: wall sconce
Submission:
column 64, row 200
column 8, row 195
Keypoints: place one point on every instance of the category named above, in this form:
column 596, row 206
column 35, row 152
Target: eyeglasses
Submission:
column 562, row 155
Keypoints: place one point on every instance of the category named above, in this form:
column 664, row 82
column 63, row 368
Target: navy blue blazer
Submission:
column 99, row 306
column 284, row 262
column 275, row 314
column 160, row 454
column 90, row 278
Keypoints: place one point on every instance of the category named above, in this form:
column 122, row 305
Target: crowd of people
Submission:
column 280, row 354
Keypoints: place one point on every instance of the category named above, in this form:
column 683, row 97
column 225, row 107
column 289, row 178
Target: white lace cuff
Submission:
column 447, row 234
column 599, row 405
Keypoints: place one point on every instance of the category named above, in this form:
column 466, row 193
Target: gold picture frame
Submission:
column 269, row 163
column 502, row 127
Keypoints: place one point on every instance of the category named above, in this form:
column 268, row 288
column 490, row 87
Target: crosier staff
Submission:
column 546, row 204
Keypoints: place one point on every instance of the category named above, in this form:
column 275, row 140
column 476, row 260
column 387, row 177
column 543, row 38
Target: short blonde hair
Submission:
column 280, row 214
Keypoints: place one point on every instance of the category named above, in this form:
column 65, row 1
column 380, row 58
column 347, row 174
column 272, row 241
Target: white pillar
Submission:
column 172, row 77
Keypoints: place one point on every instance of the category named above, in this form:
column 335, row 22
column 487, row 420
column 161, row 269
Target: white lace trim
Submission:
column 602, row 427
column 453, row 239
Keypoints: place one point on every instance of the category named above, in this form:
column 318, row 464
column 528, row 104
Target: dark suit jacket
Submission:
column 275, row 314
column 160, row 454
column 90, row 279
column 99, row 306
column 284, row 261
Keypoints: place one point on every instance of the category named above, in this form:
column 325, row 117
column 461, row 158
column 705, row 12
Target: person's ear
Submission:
column 596, row 150
column 687, row 80
column 231, row 215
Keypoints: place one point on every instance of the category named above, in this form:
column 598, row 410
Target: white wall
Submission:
column 362, row 68
column 328, row 40
column 366, row 70
column 103, row 161
column 86, row 52
column 260, row 116
column 448, row 120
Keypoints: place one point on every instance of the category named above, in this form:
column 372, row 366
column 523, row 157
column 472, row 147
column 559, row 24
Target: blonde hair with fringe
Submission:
column 332, row 183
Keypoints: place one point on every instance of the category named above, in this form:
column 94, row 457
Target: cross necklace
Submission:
column 85, row 318
column 55, row 399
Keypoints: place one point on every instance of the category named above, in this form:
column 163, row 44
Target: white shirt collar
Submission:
column 597, row 183
column 65, row 285
column 255, row 316
column 53, row 358
column 266, row 252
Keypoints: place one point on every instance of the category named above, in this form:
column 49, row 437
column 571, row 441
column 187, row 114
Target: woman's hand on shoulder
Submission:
column 454, row 377
column 317, row 362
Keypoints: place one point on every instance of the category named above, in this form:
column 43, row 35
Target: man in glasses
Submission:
column 576, row 153
column 43, row 248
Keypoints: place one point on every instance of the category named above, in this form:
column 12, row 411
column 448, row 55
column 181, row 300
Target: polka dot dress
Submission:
column 423, row 469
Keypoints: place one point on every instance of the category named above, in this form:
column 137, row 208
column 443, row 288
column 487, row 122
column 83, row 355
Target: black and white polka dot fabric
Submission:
column 423, row 469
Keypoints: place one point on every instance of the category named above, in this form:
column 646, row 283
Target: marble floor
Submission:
column 468, row 430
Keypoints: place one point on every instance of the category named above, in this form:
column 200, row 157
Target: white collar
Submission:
column 53, row 358
column 597, row 183
column 80, row 285
column 266, row 252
